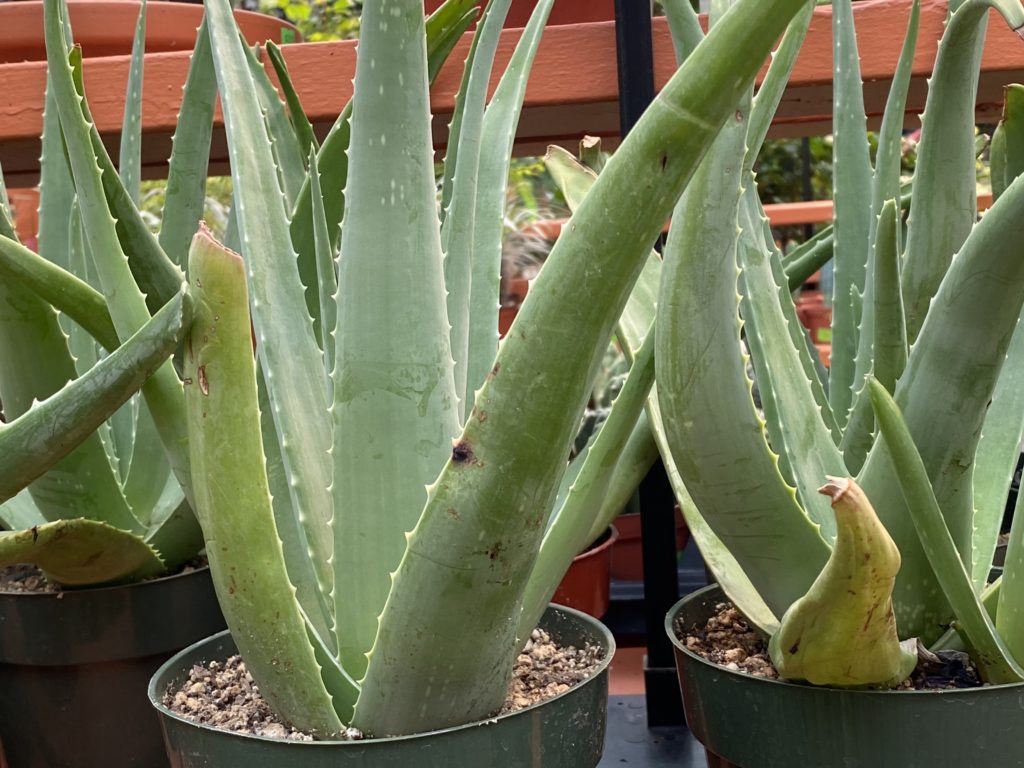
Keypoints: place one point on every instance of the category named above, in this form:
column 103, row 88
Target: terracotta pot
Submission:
column 586, row 585
column 106, row 27
column 563, row 12
column 628, row 553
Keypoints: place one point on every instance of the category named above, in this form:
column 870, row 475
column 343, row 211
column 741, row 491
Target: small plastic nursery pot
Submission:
column 750, row 722
column 564, row 732
column 74, row 667
column 586, row 586
column 628, row 552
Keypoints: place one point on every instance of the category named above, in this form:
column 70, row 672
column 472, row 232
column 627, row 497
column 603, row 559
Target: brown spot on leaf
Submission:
column 483, row 416
column 453, row 513
column 462, row 453
column 204, row 384
column 494, row 370
column 795, row 647
column 494, row 551
column 664, row 161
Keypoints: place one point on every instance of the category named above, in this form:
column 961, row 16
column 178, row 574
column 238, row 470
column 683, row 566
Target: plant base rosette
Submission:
column 755, row 722
column 566, row 731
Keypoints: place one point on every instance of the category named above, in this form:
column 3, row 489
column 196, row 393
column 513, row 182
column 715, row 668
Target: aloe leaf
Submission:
column 1008, row 615
column 20, row 512
column 148, row 469
column 766, row 102
column 944, row 393
column 129, row 164
column 246, row 559
column 993, row 658
column 127, row 305
column 47, row 432
column 1007, row 149
column 799, row 434
column 326, row 273
column 808, row 257
column 852, row 184
column 499, row 130
column 80, row 553
column 185, row 197
column 35, row 363
column 300, row 123
column 59, row 288
column 174, row 531
column 944, row 210
column 459, row 225
column 472, row 549
column 156, row 275
column 883, row 334
column 684, row 25
column 444, row 29
column 842, row 633
column 997, row 456
column 56, row 189
column 285, row 343
column 567, row 535
column 704, row 393
column 394, row 391
column 284, row 143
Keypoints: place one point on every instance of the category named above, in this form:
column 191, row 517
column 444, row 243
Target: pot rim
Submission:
column 603, row 632
column 824, row 690
column 592, row 551
column 64, row 594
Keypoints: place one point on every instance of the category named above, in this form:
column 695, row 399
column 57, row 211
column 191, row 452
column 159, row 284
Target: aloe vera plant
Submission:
column 383, row 471
column 920, row 413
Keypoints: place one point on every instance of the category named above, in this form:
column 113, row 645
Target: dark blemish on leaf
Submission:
column 664, row 161
column 483, row 416
column 494, row 551
column 199, row 283
column 494, row 370
column 35, row 533
column 795, row 647
column 739, row 116
column 453, row 513
column 852, row 592
column 204, row 385
column 187, row 380
column 462, row 453
column 867, row 556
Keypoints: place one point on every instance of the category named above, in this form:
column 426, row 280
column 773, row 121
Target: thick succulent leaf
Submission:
column 797, row 429
column 944, row 394
column 999, row 447
column 56, row 189
column 1007, row 150
column 127, row 305
column 842, row 633
column 48, row 431
column 129, row 164
column 59, row 288
column 715, row 433
column 997, row 456
column 34, row 364
column 20, row 512
column 394, row 389
column 291, row 361
column 769, row 95
column 1008, row 616
column 499, row 132
column 567, row 535
column 458, row 230
column 185, row 198
column 300, row 123
column 992, row 656
column 232, row 496
column 944, row 210
column 684, row 25
column 444, row 29
column 174, row 531
column 471, row 552
column 288, row 154
column 883, row 334
column 156, row 275
column 80, row 553
column 326, row 274
column 851, row 173
column 808, row 257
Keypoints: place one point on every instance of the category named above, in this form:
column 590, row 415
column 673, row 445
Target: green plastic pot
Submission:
column 74, row 667
column 751, row 722
column 564, row 732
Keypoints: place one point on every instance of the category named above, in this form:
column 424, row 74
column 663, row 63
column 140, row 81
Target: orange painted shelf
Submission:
column 573, row 90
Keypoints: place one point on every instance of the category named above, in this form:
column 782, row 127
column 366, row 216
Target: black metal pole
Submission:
column 635, row 55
